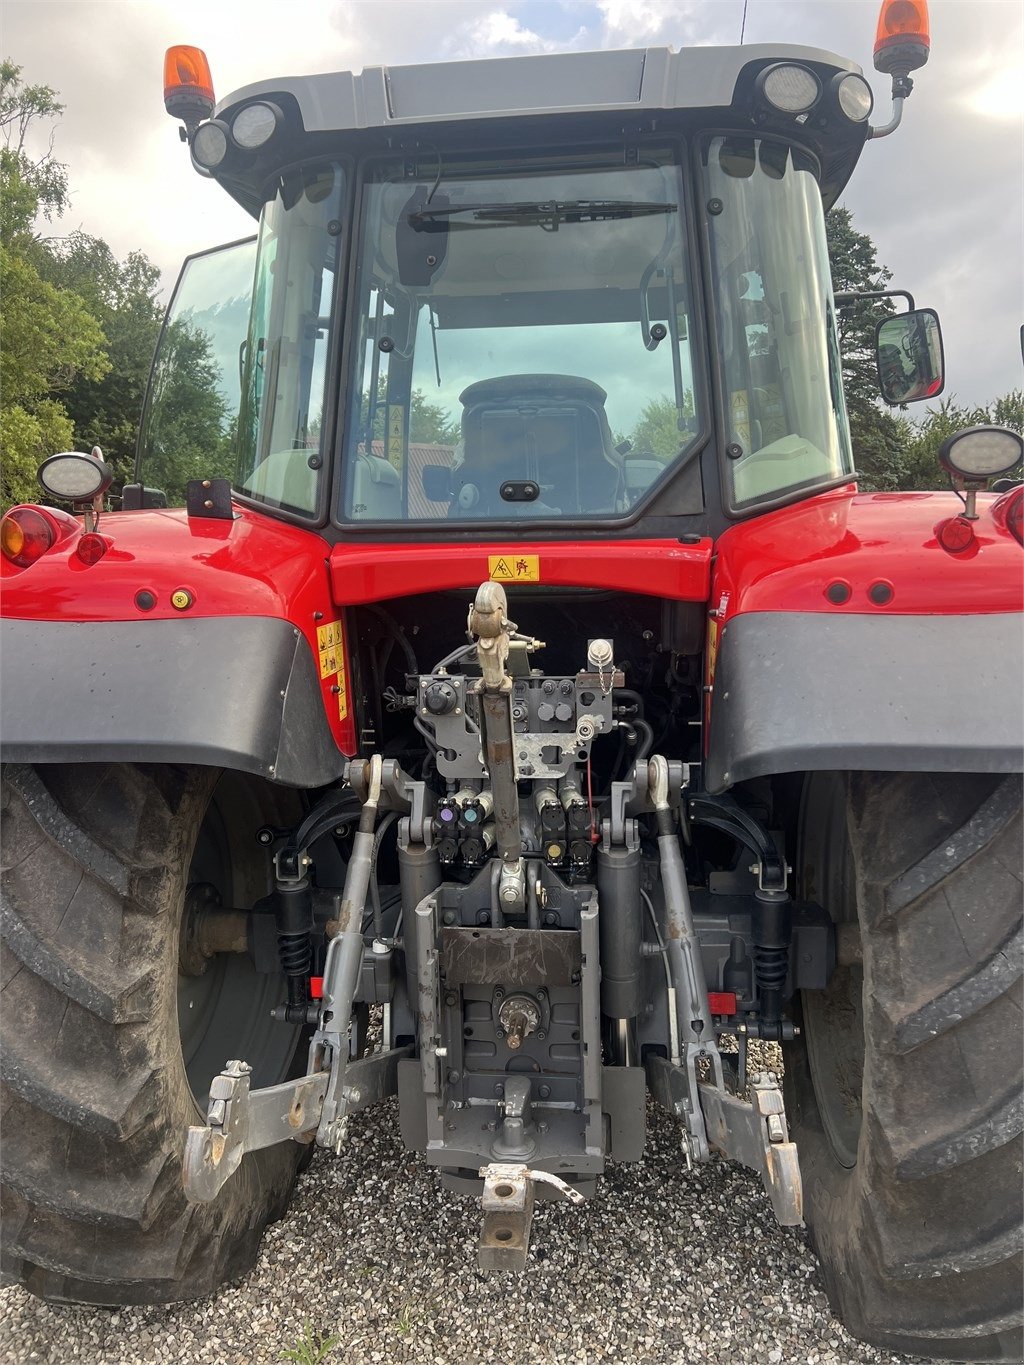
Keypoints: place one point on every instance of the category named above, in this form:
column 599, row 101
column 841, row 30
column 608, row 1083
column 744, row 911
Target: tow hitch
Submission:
column 508, row 1213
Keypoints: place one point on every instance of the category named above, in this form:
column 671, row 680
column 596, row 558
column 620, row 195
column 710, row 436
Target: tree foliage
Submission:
column 879, row 438
column 429, row 423
column 77, row 327
column 48, row 336
column 920, row 467
column 657, row 431
column 122, row 296
column 189, row 435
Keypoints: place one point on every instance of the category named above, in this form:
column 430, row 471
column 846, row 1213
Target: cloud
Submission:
column 999, row 96
column 646, row 23
column 497, row 34
column 942, row 198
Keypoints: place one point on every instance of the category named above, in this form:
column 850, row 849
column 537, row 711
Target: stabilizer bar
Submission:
column 753, row 1132
column 241, row 1120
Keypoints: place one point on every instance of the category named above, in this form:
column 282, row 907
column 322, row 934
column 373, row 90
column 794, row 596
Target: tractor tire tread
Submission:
column 95, row 1102
column 920, row 1242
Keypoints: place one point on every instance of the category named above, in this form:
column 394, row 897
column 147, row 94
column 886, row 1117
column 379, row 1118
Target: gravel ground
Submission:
column 663, row 1265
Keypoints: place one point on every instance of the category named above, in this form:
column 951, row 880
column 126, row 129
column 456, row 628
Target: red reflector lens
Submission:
column 316, row 988
column 25, row 535
column 90, row 548
column 955, row 535
column 722, row 1002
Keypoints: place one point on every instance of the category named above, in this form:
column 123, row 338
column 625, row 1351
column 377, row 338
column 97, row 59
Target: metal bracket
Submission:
column 508, row 1212
column 239, row 1120
column 756, row 1135
column 753, row 1132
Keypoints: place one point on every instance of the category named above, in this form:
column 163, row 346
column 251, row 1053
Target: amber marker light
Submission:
column 25, row 536
column 188, row 85
column 902, row 40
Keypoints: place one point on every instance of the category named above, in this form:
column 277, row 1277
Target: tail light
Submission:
column 25, row 535
column 1015, row 515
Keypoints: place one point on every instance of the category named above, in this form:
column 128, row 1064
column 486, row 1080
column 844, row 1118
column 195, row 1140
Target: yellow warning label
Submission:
column 712, row 649
column 330, row 642
column 396, row 436
column 513, row 568
column 740, row 417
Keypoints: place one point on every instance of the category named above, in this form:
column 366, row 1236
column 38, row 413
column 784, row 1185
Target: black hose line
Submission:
column 397, row 634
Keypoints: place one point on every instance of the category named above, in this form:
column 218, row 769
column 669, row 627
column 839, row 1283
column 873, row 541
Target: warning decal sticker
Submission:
column 396, row 436
column 331, row 646
column 513, row 568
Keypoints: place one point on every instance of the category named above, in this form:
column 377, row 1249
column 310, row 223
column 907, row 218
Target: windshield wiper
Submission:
column 547, row 214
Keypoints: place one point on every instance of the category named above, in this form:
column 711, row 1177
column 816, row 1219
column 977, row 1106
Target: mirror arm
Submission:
column 852, row 295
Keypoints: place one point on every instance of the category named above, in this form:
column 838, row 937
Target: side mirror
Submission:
column 908, row 349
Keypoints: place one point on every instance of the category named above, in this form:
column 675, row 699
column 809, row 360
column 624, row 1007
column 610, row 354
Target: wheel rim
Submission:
column 833, row 1019
column 834, row 1027
column 224, row 1013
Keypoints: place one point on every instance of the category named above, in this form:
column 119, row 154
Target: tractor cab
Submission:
column 579, row 291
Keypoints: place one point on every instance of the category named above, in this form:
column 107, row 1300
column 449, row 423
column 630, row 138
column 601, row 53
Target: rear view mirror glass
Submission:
column 908, row 348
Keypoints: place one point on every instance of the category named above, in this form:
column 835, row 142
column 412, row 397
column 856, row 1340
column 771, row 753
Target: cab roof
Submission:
column 639, row 82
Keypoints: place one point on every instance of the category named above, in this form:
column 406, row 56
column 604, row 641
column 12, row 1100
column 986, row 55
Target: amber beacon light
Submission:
column 902, row 41
column 188, row 85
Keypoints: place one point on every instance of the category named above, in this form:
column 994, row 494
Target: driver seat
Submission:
column 546, row 428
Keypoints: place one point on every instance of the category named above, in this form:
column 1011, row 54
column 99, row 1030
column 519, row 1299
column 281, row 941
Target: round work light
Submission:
column 255, row 124
column 789, row 89
column 210, row 144
column 982, row 452
column 854, row 97
column 74, row 477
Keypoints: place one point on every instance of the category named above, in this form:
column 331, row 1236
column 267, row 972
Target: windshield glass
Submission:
column 188, row 423
column 523, row 343
column 279, row 456
column 785, row 417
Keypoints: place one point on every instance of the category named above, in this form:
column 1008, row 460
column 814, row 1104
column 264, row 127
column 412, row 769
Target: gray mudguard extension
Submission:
column 806, row 691
column 237, row 692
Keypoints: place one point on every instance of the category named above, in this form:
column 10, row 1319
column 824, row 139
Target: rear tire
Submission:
column 97, row 1098
column 904, row 1090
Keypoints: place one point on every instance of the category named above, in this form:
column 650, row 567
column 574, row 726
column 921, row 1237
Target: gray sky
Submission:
column 943, row 198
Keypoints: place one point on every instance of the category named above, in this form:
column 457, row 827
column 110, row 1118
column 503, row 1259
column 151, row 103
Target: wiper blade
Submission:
column 548, row 214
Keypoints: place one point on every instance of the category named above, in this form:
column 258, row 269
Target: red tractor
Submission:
column 723, row 751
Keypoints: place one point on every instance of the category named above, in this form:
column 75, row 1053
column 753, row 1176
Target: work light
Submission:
column 789, row 89
column 981, row 452
column 74, row 477
column 255, row 124
column 210, row 144
column 854, row 97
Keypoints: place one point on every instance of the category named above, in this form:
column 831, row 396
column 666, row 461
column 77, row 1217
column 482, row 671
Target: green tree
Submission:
column 48, row 336
column 189, row 435
column 921, row 468
column 657, row 431
column 122, row 295
column 879, row 438
column 429, row 423
column 78, row 326
column 43, row 180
